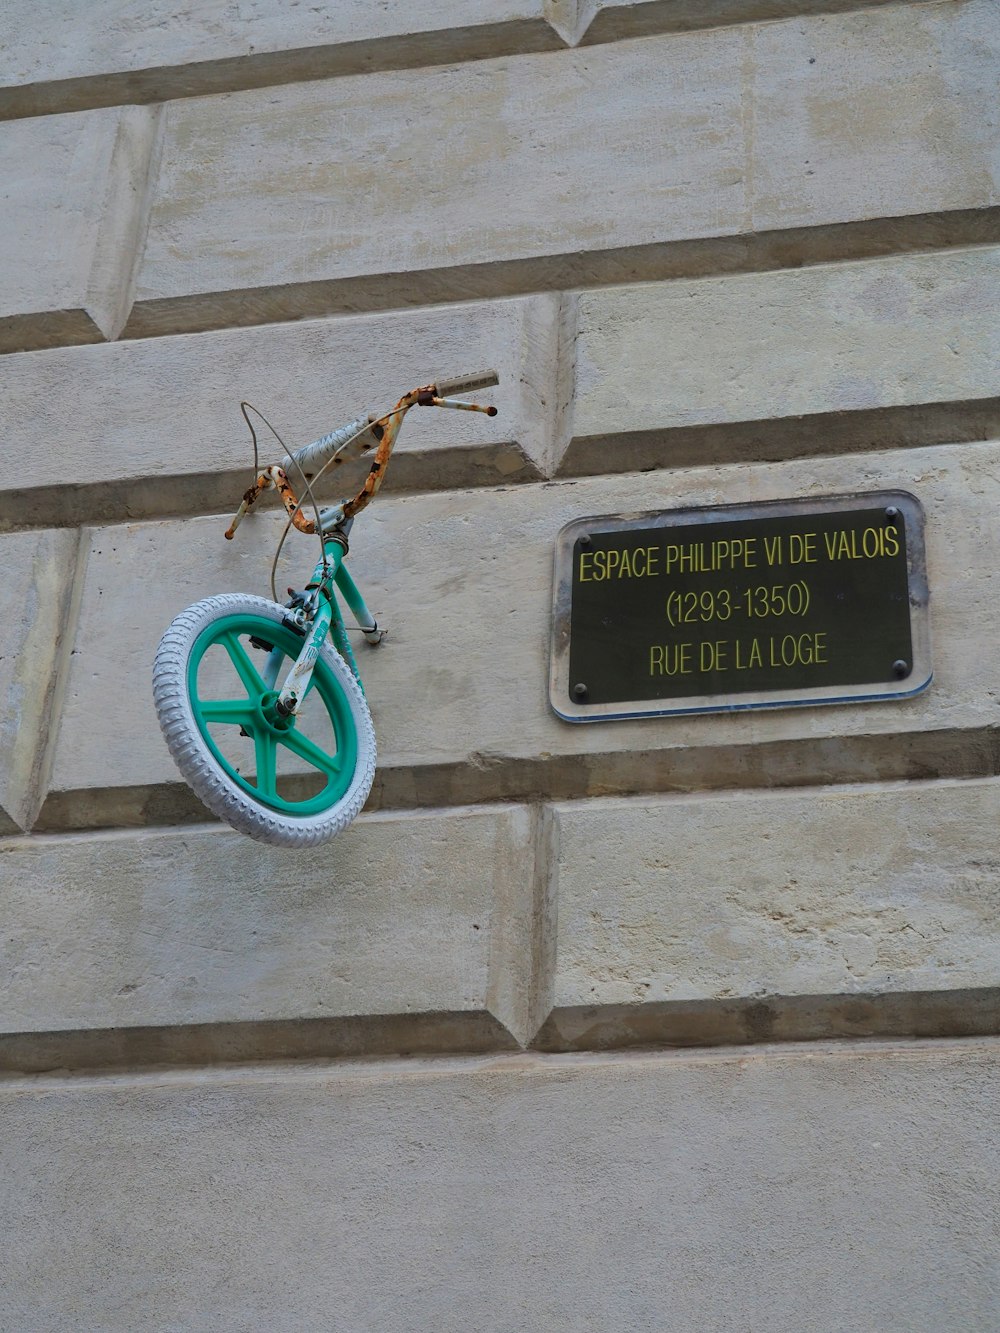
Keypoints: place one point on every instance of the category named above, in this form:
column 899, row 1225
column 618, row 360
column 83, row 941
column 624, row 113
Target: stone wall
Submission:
column 428, row 1076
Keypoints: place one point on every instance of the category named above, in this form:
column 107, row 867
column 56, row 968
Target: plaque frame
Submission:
column 917, row 679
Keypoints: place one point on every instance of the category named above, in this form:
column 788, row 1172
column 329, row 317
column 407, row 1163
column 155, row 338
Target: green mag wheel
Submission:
column 292, row 782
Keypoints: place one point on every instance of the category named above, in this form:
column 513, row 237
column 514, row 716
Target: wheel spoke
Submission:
column 226, row 710
column 267, row 781
column 245, row 669
column 310, row 752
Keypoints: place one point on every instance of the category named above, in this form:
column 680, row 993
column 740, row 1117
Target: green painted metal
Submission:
column 342, row 643
column 257, row 715
column 352, row 596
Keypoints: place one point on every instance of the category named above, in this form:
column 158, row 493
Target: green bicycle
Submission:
column 261, row 705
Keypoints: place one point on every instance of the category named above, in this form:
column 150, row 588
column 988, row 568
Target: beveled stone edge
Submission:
column 198, row 1044
column 613, row 22
column 270, row 69
column 558, row 274
column 587, row 24
column 704, row 256
column 770, row 1021
column 784, row 439
column 907, row 756
column 192, row 495
column 967, row 1012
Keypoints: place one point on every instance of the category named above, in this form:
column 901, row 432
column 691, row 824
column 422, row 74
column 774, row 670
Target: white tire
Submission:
column 260, row 811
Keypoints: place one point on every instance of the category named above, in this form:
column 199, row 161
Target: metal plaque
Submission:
column 742, row 606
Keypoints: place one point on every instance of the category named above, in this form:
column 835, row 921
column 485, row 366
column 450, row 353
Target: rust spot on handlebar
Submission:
column 291, row 503
column 390, row 423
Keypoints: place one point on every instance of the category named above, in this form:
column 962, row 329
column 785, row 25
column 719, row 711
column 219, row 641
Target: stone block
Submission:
column 102, row 54
column 838, row 135
column 400, row 915
column 463, row 582
column 664, row 357
column 802, row 1190
column 565, row 168
column 154, row 426
column 70, row 210
column 739, row 896
column 533, row 156
column 38, row 617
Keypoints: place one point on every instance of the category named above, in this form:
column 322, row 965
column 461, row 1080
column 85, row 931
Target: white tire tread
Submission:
column 199, row 767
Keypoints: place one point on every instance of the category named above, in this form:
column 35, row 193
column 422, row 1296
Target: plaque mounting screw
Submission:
column 892, row 513
column 585, row 539
column 900, row 668
column 580, row 691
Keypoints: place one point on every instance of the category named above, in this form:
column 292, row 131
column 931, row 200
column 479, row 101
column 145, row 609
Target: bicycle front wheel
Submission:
column 291, row 782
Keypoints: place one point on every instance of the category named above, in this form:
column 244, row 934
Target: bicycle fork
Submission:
column 326, row 619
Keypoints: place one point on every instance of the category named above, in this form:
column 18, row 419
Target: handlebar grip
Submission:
column 482, row 379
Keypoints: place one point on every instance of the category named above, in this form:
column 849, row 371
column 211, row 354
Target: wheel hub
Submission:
column 272, row 715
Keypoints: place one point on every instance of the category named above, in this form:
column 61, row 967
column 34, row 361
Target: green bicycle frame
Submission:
column 327, row 619
column 323, row 609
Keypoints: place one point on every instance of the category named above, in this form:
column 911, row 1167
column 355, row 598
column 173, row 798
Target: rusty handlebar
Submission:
column 364, row 434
